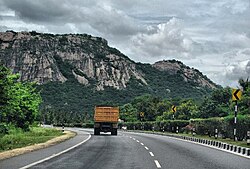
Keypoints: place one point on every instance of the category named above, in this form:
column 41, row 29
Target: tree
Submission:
column 20, row 101
column 217, row 105
column 4, row 83
column 148, row 105
column 221, row 96
column 244, row 103
column 244, row 84
column 186, row 110
column 128, row 113
column 164, row 109
column 163, row 106
column 207, row 108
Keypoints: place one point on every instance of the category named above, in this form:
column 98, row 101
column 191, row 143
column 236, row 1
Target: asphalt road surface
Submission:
column 130, row 151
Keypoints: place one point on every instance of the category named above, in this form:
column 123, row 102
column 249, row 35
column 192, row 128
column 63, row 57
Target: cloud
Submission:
column 100, row 16
column 236, row 69
column 236, row 40
column 39, row 11
column 165, row 39
column 3, row 28
column 111, row 21
column 234, row 72
column 213, row 37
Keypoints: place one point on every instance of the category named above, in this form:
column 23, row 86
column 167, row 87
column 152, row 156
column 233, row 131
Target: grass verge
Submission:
column 17, row 138
column 45, row 137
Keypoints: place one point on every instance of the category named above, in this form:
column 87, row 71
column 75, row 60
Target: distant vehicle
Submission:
column 106, row 119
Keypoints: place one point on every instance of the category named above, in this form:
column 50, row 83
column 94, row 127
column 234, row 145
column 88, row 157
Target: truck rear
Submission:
column 106, row 119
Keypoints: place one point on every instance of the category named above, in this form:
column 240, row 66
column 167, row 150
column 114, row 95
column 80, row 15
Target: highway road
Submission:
column 128, row 151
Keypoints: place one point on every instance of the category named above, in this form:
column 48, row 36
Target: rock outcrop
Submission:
column 189, row 74
column 38, row 57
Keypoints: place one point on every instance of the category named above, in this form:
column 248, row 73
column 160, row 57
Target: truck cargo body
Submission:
column 106, row 119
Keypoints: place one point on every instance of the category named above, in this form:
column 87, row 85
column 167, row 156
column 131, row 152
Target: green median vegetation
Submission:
column 17, row 138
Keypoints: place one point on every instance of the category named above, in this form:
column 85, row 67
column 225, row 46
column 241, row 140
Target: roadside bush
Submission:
column 243, row 125
column 207, row 126
column 169, row 125
column 224, row 125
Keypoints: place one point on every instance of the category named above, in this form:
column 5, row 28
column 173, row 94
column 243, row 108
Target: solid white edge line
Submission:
column 142, row 144
column 146, row 148
column 55, row 155
column 157, row 164
column 151, row 154
column 205, row 145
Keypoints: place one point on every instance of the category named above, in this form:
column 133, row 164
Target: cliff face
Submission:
column 27, row 60
column 39, row 57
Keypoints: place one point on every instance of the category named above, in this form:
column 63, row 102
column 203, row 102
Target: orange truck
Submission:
column 106, row 119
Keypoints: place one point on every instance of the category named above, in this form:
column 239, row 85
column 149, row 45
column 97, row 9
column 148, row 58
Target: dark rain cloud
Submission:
column 47, row 11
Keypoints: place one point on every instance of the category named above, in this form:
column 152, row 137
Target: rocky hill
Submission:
column 77, row 71
column 39, row 57
column 189, row 75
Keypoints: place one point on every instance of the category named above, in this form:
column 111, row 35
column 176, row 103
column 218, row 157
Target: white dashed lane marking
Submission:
column 151, row 154
column 157, row 164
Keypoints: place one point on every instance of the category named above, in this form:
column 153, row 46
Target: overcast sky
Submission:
column 210, row 35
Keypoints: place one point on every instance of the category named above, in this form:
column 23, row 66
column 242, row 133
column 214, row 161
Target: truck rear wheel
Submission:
column 114, row 132
column 96, row 131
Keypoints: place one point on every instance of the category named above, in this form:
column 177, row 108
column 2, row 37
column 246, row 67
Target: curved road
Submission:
column 135, row 151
